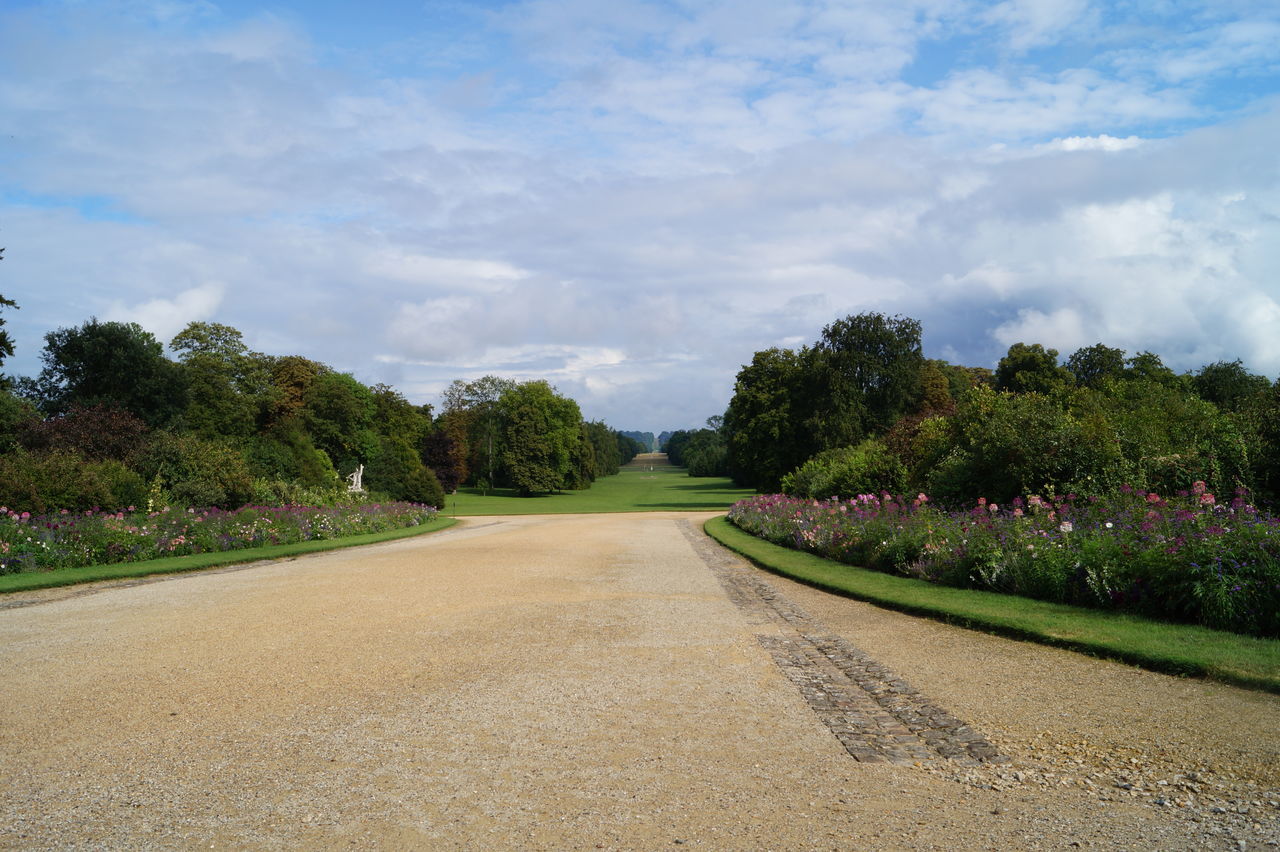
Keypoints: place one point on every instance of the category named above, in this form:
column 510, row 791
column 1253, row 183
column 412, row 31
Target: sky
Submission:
column 630, row 198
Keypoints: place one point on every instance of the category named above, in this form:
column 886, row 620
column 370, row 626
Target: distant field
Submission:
column 649, row 484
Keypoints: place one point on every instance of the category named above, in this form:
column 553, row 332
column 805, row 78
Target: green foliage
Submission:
column 229, row 389
column 194, row 471
column 1031, row 369
column 606, row 452
column 1004, row 444
column 1228, row 385
column 1091, row 366
column 397, row 472
column 339, row 415
column 868, row 373
column 6, row 342
column 541, row 437
column 845, row 472
column 16, row 416
column 763, row 423
column 1168, row 439
column 474, row 410
column 62, row 479
column 110, row 363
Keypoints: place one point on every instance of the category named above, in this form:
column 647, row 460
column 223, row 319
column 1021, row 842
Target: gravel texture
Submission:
column 577, row 682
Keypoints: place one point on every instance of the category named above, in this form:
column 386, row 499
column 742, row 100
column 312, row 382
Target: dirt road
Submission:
column 606, row 681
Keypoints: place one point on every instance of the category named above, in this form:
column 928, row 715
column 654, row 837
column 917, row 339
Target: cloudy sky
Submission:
column 629, row 198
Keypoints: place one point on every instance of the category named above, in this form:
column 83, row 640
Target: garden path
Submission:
column 602, row 681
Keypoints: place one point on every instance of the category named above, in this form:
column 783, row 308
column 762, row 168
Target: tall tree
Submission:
column 1227, row 384
column 229, row 388
column 476, row 403
column 1093, row 365
column 1031, row 369
column 868, row 366
column 764, row 420
column 110, row 363
column 542, row 433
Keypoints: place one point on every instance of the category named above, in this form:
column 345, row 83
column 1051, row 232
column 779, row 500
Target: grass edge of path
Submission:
column 34, row 580
column 1175, row 649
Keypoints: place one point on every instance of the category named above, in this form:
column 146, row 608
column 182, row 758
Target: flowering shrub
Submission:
column 72, row 539
column 1190, row 557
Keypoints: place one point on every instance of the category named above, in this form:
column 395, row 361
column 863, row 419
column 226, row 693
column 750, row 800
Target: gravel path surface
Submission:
column 590, row 682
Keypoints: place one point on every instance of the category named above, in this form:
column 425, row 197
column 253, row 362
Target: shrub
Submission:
column 868, row 468
column 198, row 472
column 43, row 482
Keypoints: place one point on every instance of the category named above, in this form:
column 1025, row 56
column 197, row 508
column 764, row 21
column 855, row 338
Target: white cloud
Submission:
column 646, row 193
column 166, row 317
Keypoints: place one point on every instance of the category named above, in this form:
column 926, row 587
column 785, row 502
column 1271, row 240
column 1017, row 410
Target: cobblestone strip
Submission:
column 876, row 715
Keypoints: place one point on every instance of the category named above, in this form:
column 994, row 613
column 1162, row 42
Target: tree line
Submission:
column 862, row 410
column 112, row 421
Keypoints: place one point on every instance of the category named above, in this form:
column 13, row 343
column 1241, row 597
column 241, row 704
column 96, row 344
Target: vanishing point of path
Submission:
column 593, row 682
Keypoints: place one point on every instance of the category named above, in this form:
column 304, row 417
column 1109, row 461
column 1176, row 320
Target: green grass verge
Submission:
column 657, row 487
column 197, row 561
column 1170, row 648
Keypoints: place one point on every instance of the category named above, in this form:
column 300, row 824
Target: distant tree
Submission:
column 1031, row 369
column 395, row 415
column 605, row 452
column 111, row 363
column 1093, row 365
column 628, row 448
column 935, row 385
column 1227, row 384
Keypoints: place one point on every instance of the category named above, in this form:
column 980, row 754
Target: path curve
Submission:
column 603, row 681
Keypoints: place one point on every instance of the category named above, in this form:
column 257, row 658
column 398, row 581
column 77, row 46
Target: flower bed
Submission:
column 1184, row 558
column 73, row 539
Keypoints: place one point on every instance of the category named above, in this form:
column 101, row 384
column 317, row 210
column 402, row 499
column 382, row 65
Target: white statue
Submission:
column 354, row 479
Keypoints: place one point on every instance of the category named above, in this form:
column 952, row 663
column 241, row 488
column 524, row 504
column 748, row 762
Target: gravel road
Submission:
column 590, row 682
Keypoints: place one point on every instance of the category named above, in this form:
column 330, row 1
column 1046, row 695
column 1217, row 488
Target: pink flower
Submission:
column 982, row 501
column 1153, row 498
column 1017, row 513
column 1198, row 487
column 993, row 508
column 1207, row 499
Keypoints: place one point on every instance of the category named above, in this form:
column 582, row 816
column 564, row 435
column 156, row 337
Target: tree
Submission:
column 111, row 363
column 1147, row 366
column 338, row 412
column 1031, row 369
column 229, row 388
column 868, row 366
column 1227, row 384
column 541, row 431
column 764, row 421
column 1093, row 365
column 6, row 342
column 446, row 456
column 476, row 405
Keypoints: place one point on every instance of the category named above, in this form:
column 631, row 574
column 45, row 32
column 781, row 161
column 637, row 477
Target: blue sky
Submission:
column 630, row 198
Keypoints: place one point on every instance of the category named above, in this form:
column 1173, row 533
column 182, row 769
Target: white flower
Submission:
column 1065, row 526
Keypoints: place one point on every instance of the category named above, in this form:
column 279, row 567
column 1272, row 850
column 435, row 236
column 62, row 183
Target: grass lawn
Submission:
column 648, row 485
column 196, row 561
column 1170, row 648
